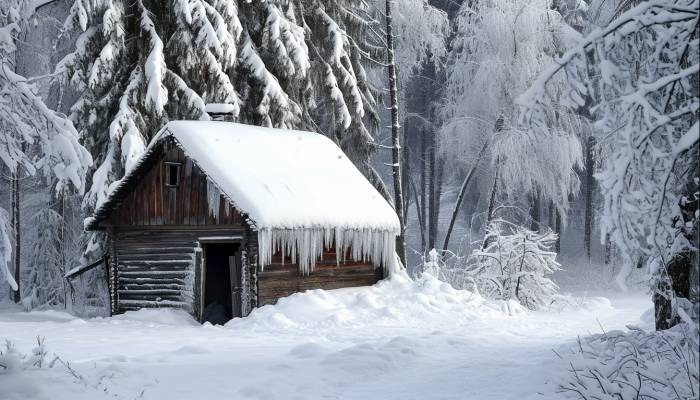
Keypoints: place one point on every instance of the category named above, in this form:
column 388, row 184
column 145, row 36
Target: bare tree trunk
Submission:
column 557, row 228
column 551, row 220
column 498, row 127
column 17, row 233
column 439, row 175
column 588, row 218
column 608, row 249
column 432, row 194
column 421, row 221
column 535, row 212
column 492, row 204
column 460, row 197
column 423, row 182
column 395, row 135
column 405, row 179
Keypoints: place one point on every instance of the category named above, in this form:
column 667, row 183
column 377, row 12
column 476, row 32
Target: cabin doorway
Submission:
column 222, row 282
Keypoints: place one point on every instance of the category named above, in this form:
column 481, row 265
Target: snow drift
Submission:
column 394, row 302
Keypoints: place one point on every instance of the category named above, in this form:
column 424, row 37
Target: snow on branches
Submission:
column 637, row 79
column 634, row 365
column 498, row 51
column 286, row 64
column 28, row 126
column 514, row 264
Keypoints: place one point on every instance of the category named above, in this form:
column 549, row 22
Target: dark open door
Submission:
column 222, row 282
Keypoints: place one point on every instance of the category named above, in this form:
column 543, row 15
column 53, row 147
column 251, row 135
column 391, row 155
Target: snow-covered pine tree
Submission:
column 35, row 139
column 280, row 63
column 46, row 285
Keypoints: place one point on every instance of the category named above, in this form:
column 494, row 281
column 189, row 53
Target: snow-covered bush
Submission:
column 514, row 263
column 447, row 267
column 635, row 365
column 11, row 360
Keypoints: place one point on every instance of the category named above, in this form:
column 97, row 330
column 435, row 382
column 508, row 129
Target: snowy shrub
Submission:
column 635, row 365
column 514, row 263
column 448, row 267
column 11, row 360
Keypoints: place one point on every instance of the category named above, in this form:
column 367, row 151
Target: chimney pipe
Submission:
column 220, row 111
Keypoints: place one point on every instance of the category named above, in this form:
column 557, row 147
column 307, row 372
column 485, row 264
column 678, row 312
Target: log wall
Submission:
column 280, row 279
column 161, row 267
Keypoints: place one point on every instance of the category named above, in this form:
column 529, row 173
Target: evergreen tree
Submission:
column 140, row 64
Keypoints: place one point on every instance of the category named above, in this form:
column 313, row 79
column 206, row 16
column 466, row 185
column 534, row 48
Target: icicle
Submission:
column 305, row 246
column 213, row 198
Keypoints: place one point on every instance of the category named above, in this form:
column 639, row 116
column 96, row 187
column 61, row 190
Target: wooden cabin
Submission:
column 218, row 218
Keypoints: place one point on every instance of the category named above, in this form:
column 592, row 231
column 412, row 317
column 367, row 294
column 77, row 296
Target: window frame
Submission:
column 169, row 166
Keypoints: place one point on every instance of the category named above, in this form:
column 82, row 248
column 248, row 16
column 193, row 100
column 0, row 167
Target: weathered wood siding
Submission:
column 156, row 232
column 280, row 279
column 161, row 267
column 152, row 202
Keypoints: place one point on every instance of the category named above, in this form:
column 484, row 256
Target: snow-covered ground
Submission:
column 397, row 340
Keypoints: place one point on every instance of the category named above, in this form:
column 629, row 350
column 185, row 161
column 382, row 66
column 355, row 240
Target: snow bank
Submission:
column 397, row 301
column 156, row 316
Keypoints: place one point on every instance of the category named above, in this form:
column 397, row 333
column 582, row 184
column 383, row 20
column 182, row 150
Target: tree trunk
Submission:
column 678, row 280
column 551, row 220
column 460, row 197
column 405, row 177
column 557, row 228
column 432, row 194
column 439, row 175
column 535, row 212
column 395, row 135
column 423, row 182
column 492, row 204
column 588, row 218
column 17, row 233
column 608, row 249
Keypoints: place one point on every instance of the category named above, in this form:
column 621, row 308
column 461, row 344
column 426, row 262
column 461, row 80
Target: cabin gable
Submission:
column 159, row 199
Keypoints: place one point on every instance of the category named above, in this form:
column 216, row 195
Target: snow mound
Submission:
column 156, row 316
column 397, row 301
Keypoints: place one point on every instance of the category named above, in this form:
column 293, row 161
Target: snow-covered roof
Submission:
column 282, row 178
column 284, row 181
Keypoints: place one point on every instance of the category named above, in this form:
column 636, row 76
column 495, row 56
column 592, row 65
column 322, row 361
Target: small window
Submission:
column 172, row 174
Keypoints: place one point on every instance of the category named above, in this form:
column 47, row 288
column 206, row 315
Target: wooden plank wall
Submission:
column 152, row 202
column 280, row 279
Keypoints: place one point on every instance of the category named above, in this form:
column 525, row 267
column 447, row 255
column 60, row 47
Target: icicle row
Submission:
column 305, row 246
